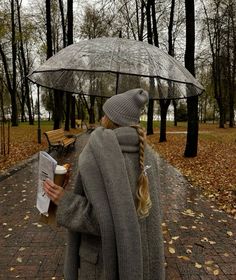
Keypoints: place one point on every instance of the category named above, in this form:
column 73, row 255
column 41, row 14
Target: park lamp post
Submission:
column 39, row 129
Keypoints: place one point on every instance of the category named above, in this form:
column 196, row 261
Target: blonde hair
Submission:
column 107, row 123
column 143, row 195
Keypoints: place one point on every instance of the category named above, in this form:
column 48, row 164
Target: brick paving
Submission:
column 200, row 240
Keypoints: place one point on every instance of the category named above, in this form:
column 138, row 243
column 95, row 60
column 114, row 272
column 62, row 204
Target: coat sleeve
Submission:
column 76, row 213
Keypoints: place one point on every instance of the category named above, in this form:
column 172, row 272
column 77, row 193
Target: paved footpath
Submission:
column 200, row 240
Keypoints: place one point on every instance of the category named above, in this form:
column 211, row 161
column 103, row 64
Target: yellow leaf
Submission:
column 175, row 237
column 171, row 250
column 209, row 262
column 229, row 233
column 185, row 258
column 216, row 272
column 183, row 227
column 198, row 265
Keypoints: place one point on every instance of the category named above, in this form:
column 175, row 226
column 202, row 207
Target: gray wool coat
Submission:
column 106, row 240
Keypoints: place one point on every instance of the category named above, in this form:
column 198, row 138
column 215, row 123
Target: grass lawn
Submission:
column 213, row 169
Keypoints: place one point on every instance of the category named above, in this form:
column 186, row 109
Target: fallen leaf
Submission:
column 183, row 227
column 229, row 233
column 175, row 237
column 216, row 272
column 171, row 250
column 185, row 258
column 209, row 262
column 198, row 265
column 19, row 260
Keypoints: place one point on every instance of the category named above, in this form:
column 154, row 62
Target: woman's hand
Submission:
column 53, row 191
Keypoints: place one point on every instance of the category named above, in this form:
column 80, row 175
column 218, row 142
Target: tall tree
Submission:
column 192, row 102
column 57, row 98
column 70, row 100
column 63, row 25
column 151, row 81
column 164, row 103
column 24, row 66
column 14, row 113
column 221, row 36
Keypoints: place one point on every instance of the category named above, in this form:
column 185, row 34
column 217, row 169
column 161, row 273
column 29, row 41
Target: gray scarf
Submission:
column 109, row 192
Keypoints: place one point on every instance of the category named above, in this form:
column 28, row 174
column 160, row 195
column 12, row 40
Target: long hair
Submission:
column 142, row 193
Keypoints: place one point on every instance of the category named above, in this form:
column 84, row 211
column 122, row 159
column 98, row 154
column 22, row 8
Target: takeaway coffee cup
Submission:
column 60, row 175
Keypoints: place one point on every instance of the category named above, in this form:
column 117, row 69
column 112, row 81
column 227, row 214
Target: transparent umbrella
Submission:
column 104, row 66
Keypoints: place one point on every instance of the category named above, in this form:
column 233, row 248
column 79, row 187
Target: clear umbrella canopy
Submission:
column 105, row 66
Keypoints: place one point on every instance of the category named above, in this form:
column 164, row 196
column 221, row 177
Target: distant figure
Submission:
column 114, row 217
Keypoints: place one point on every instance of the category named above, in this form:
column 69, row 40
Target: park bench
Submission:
column 79, row 123
column 58, row 140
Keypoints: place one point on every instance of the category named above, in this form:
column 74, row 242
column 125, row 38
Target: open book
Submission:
column 47, row 166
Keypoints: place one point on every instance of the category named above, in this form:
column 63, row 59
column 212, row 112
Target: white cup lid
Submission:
column 60, row 169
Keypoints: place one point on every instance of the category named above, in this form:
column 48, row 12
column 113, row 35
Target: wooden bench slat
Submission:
column 57, row 138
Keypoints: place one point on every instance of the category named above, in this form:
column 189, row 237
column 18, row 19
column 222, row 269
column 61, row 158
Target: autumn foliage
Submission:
column 213, row 169
column 24, row 143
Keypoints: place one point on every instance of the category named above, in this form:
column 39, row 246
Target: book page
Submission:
column 47, row 166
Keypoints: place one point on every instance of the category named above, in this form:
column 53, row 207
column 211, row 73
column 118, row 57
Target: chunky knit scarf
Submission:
column 107, row 187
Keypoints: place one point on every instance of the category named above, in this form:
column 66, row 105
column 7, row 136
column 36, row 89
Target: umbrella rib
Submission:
column 116, row 41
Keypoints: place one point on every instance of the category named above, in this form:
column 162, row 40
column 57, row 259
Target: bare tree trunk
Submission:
column 150, row 41
column 61, row 5
column 25, row 70
column 57, row 111
column 14, row 113
column 68, row 107
column 21, row 95
column 91, row 110
column 192, row 102
column 174, row 102
column 164, row 104
column 70, row 100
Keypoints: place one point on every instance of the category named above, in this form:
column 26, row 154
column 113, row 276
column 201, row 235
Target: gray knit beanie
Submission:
column 125, row 109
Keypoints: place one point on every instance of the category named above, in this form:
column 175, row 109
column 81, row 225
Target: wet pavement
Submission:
column 200, row 240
